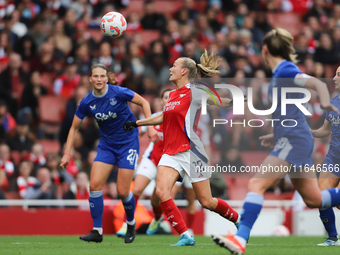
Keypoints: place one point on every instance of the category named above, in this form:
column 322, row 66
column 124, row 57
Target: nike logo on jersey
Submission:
column 103, row 116
column 93, row 107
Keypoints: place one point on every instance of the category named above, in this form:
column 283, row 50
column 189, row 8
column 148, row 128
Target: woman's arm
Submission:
column 321, row 88
column 152, row 121
column 70, row 141
column 137, row 99
column 324, row 131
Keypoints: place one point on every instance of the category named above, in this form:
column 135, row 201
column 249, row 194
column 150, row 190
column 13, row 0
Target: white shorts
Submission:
column 147, row 168
column 186, row 183
column 187, row 162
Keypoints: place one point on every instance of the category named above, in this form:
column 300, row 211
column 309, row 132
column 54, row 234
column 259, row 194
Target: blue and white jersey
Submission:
column 111, row 111
column 334, row 119
column 283, row 76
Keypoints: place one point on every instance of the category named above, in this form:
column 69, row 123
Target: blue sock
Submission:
column 330, row 198
column 328, row 219
column 251, row 208
column 129, row 206
column 96, row 207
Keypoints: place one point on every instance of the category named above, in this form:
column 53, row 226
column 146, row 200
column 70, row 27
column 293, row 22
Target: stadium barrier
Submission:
column 17, row 217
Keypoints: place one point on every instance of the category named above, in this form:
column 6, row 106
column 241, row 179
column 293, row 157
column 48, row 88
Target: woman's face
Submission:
column 165, row 98
column 336, row 79
column 99, row 78
column 176, row 70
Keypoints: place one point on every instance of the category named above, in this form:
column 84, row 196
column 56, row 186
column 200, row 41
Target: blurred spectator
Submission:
column 81, row 7
column 79, row 189
column 90, row 158
column 301, row 48
column 81, row 150
column 105, row 56
column 63, row 42
column 26, row 48
column 82, row 36
column 82, row 58
column 21, row 140
column 6, row 164
column 320, row 11
column 29, row 10
column 231, row 157
column 13, row 80
column 5, row 48
column 70, row 23
column 7, row 122
column 48, row 59
column 71, row 107
column 256, row 32
column 37, row 32
column 151, row 19
column 66, row 84
column 43, row 189
column 134, row 22
column 36, row 156
column 17, row 27
column 326, row 52
column 188, row 11
column 205, row 32
column 158, row 69
column 32, row 91
column 245, row 38
column 261, row 22
column 25, row 179
column 212, row 19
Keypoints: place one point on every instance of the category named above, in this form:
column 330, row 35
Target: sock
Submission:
column 100, row 230
column 330, row 198
column 190, row 218
column 174, row 216
column 328, row 219
column 96, row 207
column 186, row 233
column 158, row 211
column 225, row 210
column 129, row 207
column 251, row 208
column 136, row 201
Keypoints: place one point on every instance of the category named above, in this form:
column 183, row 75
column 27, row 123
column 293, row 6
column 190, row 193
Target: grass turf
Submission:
column 157, row 245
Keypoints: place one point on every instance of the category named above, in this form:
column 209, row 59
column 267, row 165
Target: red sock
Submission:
column 190, row 218
column 225, row 210
column 174, row 216
column 136, row 201
column 157, row 211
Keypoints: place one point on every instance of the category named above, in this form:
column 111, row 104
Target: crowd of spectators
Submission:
column 47, row 48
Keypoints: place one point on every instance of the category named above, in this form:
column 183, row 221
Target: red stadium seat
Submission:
column 134, row 6
column 52, row 110
column 200, row 5
column 50, row 145
column 148, row 36
column 12, row 195
column 16, row 157
column 47, row 81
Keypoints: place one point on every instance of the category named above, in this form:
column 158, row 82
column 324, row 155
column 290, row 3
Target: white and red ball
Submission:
column 281, row 230
column 113, row 24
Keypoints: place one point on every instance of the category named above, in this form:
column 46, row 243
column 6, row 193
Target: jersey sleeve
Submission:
column 124, row 93
column 198, row 94
column 81, row 110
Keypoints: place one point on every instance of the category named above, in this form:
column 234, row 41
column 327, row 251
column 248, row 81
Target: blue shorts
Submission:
column 122, row 155
column 295, row 150
column 332, row 165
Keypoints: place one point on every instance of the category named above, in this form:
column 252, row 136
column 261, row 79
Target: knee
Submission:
column 95, row 186
column 312, row 203
column 162, row 193
column 122, row 193
column 137, row 191
column 256, row 185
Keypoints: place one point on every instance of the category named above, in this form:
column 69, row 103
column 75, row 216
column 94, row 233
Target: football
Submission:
column 113, row 24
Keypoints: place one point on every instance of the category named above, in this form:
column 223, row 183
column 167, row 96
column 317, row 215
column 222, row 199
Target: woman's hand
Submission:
column 152, row 133
column 267, row 140
column 64, row 161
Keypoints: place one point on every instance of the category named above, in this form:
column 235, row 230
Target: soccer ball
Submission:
column 113, row 24
column 281, row 231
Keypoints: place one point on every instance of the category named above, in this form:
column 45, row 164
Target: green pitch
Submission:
column 159, row 244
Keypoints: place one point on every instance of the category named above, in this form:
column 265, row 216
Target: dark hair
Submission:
column 166, row 90
column 111, row 76
column 280, row 44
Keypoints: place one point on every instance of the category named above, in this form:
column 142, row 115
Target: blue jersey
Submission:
column 283, row 76
column 111, row 111
column 334, row 119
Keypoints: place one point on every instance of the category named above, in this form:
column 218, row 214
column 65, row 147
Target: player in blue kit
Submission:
column 330, row 174
column 108, row 105
column 293, row 146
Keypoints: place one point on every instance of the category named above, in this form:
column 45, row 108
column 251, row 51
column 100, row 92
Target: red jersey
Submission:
column 180, row 118
column 154, row 151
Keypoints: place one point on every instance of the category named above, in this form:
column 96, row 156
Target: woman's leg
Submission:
column 99, row 174
column 203, row 193
column 328, row 180
column 141, row 182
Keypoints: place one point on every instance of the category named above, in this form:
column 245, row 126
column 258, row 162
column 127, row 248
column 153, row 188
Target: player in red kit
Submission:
column 183, row 150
